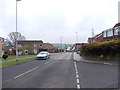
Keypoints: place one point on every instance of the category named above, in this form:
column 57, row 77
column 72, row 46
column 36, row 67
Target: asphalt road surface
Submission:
column 60, row 71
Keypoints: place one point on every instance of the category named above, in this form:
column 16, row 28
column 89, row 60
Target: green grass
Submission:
column 11, row 63
column 14, row 57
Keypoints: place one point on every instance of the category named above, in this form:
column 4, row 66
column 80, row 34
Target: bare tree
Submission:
column 15, row 35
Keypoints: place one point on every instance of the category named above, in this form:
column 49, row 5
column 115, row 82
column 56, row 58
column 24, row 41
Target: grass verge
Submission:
column 14, row 57
column 11, row 63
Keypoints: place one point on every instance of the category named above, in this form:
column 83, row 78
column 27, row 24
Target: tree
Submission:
column 15, row 35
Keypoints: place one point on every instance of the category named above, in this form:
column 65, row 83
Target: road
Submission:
column 60, row 71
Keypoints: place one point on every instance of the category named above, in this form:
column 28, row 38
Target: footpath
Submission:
column 78, row 58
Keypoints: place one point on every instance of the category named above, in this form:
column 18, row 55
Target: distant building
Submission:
column 78, row 46
column 34, row 47
column 1, row 46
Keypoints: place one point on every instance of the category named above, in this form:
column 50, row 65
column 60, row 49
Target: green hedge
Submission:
column 106, row 48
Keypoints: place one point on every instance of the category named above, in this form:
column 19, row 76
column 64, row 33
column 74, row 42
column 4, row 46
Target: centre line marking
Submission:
column 77, row 76
column 78, row 86
column 78, row 81
column 25, row 72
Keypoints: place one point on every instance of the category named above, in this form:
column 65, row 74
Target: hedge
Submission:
column 106, row 48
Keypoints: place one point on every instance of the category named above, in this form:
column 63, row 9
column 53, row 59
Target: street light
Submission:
column 16, row 33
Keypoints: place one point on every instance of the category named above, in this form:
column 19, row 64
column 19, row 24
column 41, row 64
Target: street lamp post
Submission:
column 61, row 43
column 16, row 33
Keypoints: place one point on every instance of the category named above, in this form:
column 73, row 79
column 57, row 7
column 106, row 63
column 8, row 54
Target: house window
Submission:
column 35, row 51
column 35, row 45
column 25, row 45
column 109, row 33
column 117, row 31
column 104, row 34
column 40, row 45
column 19, row 45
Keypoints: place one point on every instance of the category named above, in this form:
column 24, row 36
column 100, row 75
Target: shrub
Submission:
column 5, row 56
column 102, row 48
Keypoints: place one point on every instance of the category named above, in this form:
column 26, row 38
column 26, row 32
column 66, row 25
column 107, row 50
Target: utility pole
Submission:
column 92, row 32
column 61, row 42
column 16, row 33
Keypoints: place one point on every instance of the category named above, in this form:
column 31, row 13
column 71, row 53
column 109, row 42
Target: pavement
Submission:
column 78, row 58
column 62, row 70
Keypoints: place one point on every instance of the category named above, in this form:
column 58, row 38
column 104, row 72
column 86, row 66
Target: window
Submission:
column 117, row 31
column 25, row 45
column 40, row 45
column 35, row 51
column 109, row 33
column 35, row 45
column 19, row 45
column 104, row 34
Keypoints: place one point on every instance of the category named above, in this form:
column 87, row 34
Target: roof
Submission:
column 118, row 24
column 1, row 38
column 30, row 41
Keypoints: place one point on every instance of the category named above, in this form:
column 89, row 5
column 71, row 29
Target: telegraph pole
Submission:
column 61, row 42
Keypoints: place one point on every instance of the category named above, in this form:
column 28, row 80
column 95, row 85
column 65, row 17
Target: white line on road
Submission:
column 78, row 86
column 46, row 62
column 25, row 72
column 78, row 81
column 77, row 76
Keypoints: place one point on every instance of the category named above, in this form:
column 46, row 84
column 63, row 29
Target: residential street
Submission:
column 62, row 70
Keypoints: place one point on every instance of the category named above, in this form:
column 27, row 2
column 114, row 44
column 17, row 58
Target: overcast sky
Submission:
column 48, row 20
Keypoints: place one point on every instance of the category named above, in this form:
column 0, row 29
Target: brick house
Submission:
column 107, row 35
column 1, row 46
column 78, row 46
column 34, row 47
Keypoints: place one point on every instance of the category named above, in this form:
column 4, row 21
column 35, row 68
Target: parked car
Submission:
column 78, row 52
column 43, row 55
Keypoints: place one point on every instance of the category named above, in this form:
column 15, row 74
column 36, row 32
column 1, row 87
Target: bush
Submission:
column 5, row 56
column 107, row 48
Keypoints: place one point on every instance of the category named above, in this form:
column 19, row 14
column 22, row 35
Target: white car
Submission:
column 43, row 55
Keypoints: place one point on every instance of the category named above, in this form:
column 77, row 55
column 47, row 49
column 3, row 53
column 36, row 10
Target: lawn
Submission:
column 14, row 57
column 11, row 63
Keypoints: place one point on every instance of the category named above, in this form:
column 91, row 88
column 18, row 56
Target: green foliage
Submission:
column 107, row 48
column 30, row 49
column 5, row 56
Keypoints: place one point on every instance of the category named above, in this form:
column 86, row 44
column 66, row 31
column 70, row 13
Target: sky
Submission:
column 49, row 20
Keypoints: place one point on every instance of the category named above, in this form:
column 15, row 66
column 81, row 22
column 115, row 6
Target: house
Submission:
column 78, row 46
column 1, row 46
column 112, row 34
column 97, row 38
column 107, row 35
column 34, row 47
column 29, row 46
column 49, row 47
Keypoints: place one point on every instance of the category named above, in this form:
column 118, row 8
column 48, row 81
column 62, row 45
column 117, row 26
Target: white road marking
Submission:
column 78, row 81
column 77, row 76
column 25, row 72
column 76, row 72
column 108, row 63
column 78, row 86
column 46, row 62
